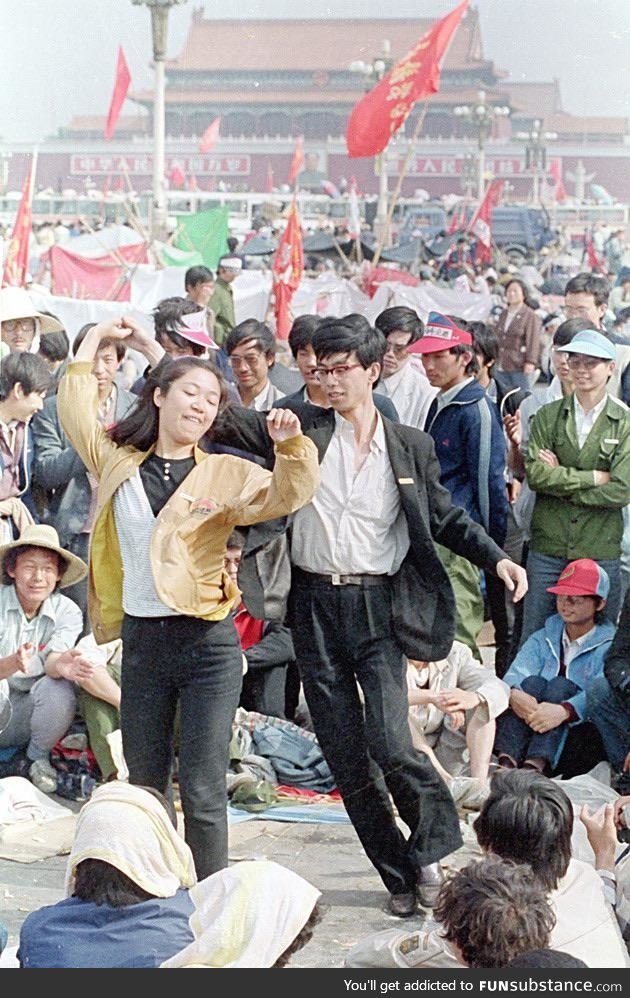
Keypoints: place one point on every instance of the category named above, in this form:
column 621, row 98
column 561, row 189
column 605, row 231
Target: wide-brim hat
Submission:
column 15, row 303
column 192, row 328
column 40, row 535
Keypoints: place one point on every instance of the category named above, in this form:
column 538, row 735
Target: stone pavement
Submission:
column 328, row 855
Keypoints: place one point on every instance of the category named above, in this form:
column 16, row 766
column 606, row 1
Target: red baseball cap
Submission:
column 440, row 333
column 583, row 577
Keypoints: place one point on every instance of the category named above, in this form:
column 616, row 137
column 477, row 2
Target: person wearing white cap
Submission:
column 38, row 663
column 20, row 321
column 578, row 464
column 222, row 301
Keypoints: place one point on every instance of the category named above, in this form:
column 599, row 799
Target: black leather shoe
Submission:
column 402, row 905
column 429, row 880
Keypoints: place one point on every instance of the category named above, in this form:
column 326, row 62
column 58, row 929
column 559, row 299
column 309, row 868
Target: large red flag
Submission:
column 594, row 262
column 288, row 267
column 16, row 263
column 121, row 86
column 384, row 109
column 481, row 222
column 298, row 159
column 555, row 172
column 209, row 138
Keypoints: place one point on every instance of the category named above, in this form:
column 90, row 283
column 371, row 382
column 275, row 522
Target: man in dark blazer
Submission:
column 367, row 589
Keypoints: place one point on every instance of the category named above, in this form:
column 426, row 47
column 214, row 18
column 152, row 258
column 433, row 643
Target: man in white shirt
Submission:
column 38, row 663
column 402, row 381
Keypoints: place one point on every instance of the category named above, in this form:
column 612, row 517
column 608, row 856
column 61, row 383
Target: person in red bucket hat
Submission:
column 552, row 672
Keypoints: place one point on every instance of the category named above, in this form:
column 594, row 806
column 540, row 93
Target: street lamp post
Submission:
column 372, row 73
column 536, row 154
column 159, row 30
column 482, row 116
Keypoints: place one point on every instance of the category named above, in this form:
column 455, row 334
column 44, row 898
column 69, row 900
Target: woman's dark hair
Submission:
column 236, row 539
column 118, row 345
column 303, row 937
column 56, row 345
column 140, row 428
column 252, row 329
column 302, row 332
column 347, row 334
column 402, row 319
column 528, row 818
column 493, row 910
column 568, row 329
column 10, row 561
column 26, row 369
column 101, row 883
column 528, row 298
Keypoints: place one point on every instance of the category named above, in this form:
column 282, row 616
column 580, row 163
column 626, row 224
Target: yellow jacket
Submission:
column 187, row 547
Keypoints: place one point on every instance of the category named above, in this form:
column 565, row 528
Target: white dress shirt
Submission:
column 585, row 421
column 354, row 524
column 411, row 393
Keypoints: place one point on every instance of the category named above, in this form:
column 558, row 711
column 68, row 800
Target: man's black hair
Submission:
column 118, row 345
column 54, row 346
column 302, row 332
column 589, row 284
column 26, row 369
column 347, row 334
column 402, row 319
column 252, row 329
column 568, row 329
column 197, row 275
column 167, row 319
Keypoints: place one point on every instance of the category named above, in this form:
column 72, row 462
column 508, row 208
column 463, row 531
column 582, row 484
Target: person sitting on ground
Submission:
column 608, row 702
column 39, row 665
column 549, row 677
column 24, row 381
column 453, row 704
column 493, row 910
column 301, row 343
column 253, row 914
column 527, row 819
column 267, row 646
column 127, row 898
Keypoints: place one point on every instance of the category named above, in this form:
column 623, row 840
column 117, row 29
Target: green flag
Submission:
column 173, row 257
column 205, row 232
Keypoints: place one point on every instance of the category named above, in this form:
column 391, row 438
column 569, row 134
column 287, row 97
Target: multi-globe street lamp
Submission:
column 372, row 73
column 536, row 154
column 482, row 115
column 159, row 30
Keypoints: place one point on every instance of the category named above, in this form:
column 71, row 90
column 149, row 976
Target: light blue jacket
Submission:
column 540, row 656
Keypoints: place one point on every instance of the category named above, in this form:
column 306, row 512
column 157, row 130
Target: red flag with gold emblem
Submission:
column 384, row 109
column 16, row 262
column 210, row 137
column 288, row 267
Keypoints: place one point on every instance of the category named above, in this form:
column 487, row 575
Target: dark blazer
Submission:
column 520, row 344
column 423, row 605
column 384, row 405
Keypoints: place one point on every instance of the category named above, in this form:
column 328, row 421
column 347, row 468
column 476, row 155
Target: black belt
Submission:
column 343, row 580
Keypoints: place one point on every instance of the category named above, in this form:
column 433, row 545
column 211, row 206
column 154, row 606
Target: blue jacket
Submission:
column 470, row 446
column 540, row 656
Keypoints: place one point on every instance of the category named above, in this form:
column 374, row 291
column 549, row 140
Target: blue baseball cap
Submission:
column 592, row 344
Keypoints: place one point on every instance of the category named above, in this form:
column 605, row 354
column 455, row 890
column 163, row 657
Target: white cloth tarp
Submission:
column 429, row 298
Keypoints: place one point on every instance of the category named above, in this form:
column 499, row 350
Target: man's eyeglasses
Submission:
column 250, row 360
column 576, row 360
column 338, row 371
column 12, row 325
column 398, row 349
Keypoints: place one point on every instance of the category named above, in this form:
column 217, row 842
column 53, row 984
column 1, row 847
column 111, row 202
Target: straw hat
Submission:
column 39, row 535
column 15, row 303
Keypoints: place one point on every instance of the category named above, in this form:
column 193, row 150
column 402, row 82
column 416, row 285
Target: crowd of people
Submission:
column 332, row 532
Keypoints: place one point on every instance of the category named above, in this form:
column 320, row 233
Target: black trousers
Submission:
column 343, row 637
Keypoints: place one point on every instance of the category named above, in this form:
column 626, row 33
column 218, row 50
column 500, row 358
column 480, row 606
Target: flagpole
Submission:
column 401, row 177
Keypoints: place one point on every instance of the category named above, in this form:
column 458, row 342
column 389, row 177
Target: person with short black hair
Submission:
column 54, row 348
column 492, row 911
column 251, row 350
column 586, row 296
column 402, row 381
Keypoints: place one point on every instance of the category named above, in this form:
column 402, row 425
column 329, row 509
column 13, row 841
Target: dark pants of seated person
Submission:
column 515, row 737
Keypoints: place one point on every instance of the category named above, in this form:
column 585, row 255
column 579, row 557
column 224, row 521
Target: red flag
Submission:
column 458, row 219
column 121, row 86
column 16, row 263
column 209, row 138
column 384, row 109
column 177, row 176
column 555, row 172
column 594, row 262
column 481, row 222
column 297, row 162
column 269, row 180
column 288, row 267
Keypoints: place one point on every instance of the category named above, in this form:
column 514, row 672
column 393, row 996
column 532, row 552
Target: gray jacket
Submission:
column 60, row 472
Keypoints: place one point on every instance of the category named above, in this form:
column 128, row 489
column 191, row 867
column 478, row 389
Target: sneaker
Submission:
column 43, row 776
column 402, row 905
